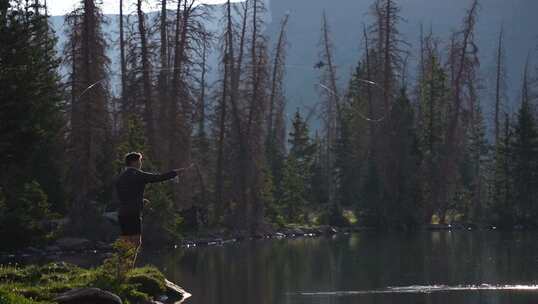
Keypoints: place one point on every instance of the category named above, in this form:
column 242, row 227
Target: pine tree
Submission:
column 297, row 172
column 353, row 140
column 293, row 198
column 524, row 158
column 90, row 144
column 501, row 209
column 404, row 145
column 474, row 167
column 431, row 128
column 299, row 139
column 30, row 123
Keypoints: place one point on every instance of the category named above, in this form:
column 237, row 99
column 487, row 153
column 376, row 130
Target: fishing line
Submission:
column 297, row 66
column 364, row 117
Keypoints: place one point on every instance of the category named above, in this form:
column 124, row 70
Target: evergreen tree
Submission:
column 501, row 208
column 404, row 146
column 474, row 168
column 431, row 124
column 353, row 141
column 90, row 142
column 319, row 196
column 293, row 199
column 297, row 172
column 301, row 146
column 524, row 158
column 30, row 123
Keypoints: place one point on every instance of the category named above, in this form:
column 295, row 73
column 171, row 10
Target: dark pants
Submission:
column 130, row 222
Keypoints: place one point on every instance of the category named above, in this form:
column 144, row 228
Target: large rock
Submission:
column 175, row 292
column 70, row 243
column 88, row 296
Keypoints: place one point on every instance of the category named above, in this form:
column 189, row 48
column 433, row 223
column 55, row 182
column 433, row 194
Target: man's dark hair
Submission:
column 132, row 157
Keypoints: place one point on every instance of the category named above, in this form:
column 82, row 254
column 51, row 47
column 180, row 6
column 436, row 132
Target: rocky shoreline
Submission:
column 81, row 251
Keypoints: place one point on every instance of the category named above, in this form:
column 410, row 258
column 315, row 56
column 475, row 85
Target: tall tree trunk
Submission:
column 146, row 79
column 333, row 112
column 228, row 62
column 498, row 79
column 163, row 83
column 277, row 64
column 387, row 62
column 122, row 57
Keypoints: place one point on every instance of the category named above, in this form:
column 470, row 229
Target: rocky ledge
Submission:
column 174, row 294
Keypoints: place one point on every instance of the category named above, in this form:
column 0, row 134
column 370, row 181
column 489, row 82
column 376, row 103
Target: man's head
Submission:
column 133, row 159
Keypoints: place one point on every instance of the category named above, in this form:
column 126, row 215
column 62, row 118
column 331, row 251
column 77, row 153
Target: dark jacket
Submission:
column 130, row 188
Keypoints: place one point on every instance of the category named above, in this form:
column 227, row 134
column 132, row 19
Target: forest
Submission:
column 386, row 151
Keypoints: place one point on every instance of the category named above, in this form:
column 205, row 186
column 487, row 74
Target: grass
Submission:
column 7, row 297
column 41, row 284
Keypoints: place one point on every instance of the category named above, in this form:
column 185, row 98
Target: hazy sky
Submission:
column 62, row 7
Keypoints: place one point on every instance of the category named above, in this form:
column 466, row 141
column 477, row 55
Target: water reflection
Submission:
column 278, row 271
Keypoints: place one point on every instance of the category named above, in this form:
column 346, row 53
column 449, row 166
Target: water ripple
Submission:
column 422, row 289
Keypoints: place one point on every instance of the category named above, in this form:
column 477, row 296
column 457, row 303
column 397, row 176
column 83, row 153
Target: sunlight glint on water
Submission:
column 423, row 289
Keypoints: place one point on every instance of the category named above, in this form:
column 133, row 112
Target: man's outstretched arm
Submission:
column 155, row 178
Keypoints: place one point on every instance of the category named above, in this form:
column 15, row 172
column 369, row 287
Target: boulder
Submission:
column 70, row 243
column 175, row 292
column 88, row 296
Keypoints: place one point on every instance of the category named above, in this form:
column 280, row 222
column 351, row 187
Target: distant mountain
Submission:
column 346, row 19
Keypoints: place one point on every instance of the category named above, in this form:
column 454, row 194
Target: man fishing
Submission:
column 130, row 188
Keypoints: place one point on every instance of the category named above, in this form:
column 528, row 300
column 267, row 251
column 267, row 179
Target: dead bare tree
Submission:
column 276, row 99
column 500, row 82
column 463, row 61
column 331, row 109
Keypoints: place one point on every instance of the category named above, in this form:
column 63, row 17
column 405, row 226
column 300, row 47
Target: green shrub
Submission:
column 7, row 297
column 22, row 216
column 148, row 280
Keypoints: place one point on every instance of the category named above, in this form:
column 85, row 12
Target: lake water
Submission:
column 425, row 267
